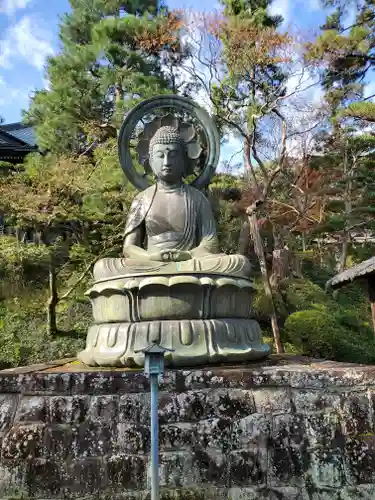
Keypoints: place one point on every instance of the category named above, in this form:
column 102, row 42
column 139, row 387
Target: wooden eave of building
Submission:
column 12, row 148
column 363, row 270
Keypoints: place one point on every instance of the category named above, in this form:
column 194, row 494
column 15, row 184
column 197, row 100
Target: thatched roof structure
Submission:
column 362, row 270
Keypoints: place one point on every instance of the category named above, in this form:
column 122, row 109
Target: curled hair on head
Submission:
column 168, row 135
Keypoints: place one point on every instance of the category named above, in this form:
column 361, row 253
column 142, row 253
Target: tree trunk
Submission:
column 296, row 264
column 259, row 250
column 280, row 266
column 52, row 301
column 243, row 240
column 371, row 294
column 320, row 253
column 348, row 209
column 344, row 252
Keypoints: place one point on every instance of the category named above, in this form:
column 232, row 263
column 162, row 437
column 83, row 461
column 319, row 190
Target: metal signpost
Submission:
column 154, row 366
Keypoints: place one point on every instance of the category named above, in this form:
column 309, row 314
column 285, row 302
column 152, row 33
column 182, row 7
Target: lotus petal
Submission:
column 151, row 128
column 169, row 121
column 154, row 280
column 206, row 281
column 187, row 131
column 194, row 150
column 184, row 280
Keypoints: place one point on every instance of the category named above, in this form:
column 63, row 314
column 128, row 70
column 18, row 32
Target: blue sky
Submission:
column 29, row 34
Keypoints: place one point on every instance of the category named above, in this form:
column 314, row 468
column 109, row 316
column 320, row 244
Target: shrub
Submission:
column 23, row 338
column 313, row 332
column 23, row 341
column 300, row 294
column 316, row 271
column 319, row 334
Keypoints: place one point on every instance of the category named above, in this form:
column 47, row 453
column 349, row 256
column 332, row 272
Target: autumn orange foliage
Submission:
column 164, row 35
column 247, row 45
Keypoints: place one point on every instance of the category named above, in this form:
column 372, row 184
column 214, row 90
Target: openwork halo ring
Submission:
column 182, row 104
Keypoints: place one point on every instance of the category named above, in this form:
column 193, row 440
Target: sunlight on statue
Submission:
column 170, row 227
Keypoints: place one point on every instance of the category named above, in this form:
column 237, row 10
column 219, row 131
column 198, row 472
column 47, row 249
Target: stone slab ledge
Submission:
column 69, row 377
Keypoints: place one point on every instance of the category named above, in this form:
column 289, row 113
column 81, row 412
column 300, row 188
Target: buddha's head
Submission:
column 167, row 155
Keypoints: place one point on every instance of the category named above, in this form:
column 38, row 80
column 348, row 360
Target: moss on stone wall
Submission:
column 283, row 429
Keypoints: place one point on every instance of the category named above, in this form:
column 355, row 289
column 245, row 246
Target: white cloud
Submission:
column 10, row 6
column 9, row 94
column 5, row 54
column 46, row 83
column 25, row 40
column 280, row 8
column 314, row 5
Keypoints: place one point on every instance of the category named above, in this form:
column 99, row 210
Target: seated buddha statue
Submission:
column 170, row 227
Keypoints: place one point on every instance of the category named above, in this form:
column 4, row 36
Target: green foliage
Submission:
column 20, row 262
column 23, row 338
column 319, row 334
column 251, row 80
column 224, row 189
column 262, row 307
column 314, row 332
column 101, row 72
column 318, row 324
column 344, row 56
column 361, row 110
column 323, row 326
column 229, row 228
column 75, row 198
column 348, row 50
column 5, row 165
column 300, row 294
column 316, row 271
column 256, row 11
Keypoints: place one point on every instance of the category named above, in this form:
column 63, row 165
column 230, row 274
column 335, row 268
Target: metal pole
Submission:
column 154, row 438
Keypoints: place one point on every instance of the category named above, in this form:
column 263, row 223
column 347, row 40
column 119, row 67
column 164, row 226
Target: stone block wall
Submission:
column 290, row 430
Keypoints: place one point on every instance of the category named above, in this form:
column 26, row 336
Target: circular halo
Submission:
column 180, row 103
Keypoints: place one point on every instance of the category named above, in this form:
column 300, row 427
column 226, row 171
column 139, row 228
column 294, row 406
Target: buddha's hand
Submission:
column 156, row 256
column 175, row 255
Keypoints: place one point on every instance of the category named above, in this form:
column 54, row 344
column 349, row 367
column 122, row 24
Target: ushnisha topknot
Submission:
column 167, row 135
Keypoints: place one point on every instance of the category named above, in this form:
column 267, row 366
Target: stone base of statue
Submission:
column 204, row 319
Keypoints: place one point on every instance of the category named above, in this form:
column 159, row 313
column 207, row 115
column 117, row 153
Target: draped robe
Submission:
column 181, row 220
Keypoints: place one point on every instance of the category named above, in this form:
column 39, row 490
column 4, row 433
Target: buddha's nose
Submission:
column 166, row 161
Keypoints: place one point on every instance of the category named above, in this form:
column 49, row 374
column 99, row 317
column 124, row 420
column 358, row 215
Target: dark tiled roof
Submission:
column 24, row 133
column 359, row 271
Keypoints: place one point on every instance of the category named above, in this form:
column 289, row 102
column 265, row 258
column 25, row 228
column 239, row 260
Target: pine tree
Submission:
column 347, row 54
column 103, row 69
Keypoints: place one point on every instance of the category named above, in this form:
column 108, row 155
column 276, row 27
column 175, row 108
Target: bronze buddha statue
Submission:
column 171, row 227
column 172, row 284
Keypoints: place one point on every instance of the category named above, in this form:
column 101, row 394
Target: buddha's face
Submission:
column 168, row 162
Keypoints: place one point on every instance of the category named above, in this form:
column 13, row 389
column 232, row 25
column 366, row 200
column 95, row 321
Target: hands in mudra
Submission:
column 170, row 256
